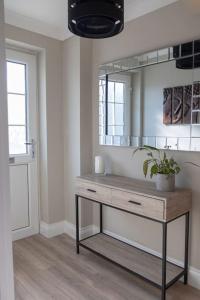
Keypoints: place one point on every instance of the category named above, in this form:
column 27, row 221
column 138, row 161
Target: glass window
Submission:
column 111, row 114
column 116, row 102
column 119, row 92
column 16, row 109
column 119, row 114
column 17, row 138
column 16, row 78
column 16, row 95
column 102, row 87
column 116, row 106
column 111, row 91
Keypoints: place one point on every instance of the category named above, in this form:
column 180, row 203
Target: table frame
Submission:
column 164, row 224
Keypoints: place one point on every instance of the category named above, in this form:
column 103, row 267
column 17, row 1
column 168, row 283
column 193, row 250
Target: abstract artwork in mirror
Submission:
column 152, row 99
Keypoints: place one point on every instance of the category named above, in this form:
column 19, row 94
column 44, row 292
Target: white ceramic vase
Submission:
column 99, row 165
column 165, row 183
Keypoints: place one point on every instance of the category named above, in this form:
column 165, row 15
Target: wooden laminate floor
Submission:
column 48, row 269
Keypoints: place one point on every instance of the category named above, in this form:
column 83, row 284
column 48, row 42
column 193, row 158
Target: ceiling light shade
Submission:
column 96, row 19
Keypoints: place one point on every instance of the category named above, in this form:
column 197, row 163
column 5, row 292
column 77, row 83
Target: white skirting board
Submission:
column 51, row 230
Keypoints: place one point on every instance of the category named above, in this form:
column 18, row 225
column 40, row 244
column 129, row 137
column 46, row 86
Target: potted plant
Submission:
column 161, row 166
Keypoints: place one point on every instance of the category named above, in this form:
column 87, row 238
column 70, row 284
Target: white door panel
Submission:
column 19, row 196
column 22, row 124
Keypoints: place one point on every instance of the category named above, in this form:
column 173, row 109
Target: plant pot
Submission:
column 165, row 183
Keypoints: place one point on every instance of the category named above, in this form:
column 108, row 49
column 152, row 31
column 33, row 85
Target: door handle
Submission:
column 32, row 144
column 29, row 144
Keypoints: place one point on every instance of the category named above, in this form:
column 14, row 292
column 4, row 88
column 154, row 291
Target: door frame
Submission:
column 19, row 55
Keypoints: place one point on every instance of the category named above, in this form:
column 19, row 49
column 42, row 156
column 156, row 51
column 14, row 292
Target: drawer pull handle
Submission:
column 91, row 191
column 134, row 202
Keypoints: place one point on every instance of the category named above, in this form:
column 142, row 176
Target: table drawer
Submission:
column 141, row 205
column 93, row 191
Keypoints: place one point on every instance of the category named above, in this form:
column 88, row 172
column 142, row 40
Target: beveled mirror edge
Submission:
column 168, row 50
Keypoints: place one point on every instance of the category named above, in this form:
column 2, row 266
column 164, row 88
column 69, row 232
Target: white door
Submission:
column 22, row 126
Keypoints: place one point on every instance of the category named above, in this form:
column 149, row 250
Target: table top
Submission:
column 141, row 187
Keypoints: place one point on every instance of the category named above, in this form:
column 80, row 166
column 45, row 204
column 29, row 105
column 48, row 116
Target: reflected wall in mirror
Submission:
column 152, row 99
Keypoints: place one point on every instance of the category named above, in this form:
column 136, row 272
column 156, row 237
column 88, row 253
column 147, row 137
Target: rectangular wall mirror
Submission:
column 152, row 99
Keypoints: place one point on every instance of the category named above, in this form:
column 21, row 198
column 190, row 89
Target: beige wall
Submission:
column 86, row 120
column 161, row 28
column 77, row 120
column 71, row 121
column 50, row 107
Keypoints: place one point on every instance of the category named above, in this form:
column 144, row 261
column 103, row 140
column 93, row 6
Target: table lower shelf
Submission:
column 132, row 259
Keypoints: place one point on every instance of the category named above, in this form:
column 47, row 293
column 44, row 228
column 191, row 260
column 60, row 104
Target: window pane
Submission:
column 111, row 114
column 117, row 140
column 101, row 120
column 119, row 114
column 102, row 108
column 111, row 130
column 102, row 87
column 101, row 130
column 17, row 138
column 16, row 110
column 119, row 130
column 15, row 78
column 111, row 91
column 119, row 92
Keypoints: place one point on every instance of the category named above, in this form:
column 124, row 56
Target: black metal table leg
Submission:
column 101, row 217
column 77, row 224
column 187, row 229
column 164, row 261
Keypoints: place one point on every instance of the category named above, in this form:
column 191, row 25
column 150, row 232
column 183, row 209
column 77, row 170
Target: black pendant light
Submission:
column 96, row 19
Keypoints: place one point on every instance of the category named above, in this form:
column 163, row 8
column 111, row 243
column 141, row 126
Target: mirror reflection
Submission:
column 155, row 103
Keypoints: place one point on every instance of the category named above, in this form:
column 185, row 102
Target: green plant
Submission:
column 158, row 162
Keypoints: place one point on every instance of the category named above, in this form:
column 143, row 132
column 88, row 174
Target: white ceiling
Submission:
column 49, row 17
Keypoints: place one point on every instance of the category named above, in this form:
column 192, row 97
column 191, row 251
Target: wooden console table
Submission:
column 138, row 198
